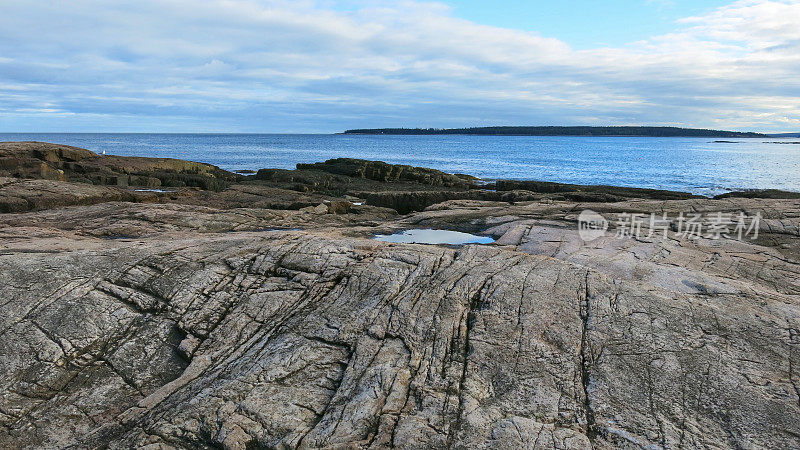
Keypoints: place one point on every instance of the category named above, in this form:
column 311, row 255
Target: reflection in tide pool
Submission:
column 154, row 190
column 434, row 237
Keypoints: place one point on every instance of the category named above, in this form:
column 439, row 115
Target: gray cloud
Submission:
column 250, row 65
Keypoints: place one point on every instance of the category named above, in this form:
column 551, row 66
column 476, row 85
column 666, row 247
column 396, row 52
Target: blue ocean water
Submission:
column 696, row 165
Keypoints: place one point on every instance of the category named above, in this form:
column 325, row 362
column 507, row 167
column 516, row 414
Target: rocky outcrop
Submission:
column 18, row 195
column 200, row 328
column 586, row 193
column 760, row 193
column 64, row 163
column 405, row 202
column 202, row 319
column 388, row 173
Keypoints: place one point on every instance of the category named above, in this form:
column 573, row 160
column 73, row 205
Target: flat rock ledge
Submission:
column 191, row 337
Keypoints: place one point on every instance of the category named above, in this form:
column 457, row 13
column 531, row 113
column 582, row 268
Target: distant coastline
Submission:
column 564, row 131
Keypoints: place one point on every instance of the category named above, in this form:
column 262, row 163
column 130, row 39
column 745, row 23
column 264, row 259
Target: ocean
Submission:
column 696, row 165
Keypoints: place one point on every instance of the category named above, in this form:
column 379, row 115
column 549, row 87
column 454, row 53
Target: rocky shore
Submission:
column 160, row 303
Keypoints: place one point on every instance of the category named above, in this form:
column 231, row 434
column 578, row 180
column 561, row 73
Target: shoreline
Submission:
column 401, row 187
column 631, row 162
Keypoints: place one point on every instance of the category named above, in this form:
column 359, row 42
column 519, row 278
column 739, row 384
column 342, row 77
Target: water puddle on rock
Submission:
column 428, row 236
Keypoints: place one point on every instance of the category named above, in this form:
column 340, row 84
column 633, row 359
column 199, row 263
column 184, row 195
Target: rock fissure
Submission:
column 586, row 360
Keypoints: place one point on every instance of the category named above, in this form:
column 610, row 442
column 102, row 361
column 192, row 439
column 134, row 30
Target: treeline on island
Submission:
column 563, row 131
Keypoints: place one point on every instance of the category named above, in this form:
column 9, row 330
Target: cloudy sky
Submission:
column 325, row 66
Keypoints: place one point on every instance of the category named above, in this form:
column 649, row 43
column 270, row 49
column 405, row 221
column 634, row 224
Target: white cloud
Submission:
column 272, row 65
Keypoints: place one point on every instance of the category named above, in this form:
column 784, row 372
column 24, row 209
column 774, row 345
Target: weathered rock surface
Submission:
column 192, row 336
column 176, row 325
column 383, row 172
column 43, row 160
column 18, row 195
column 590, row 193
column 760, row 193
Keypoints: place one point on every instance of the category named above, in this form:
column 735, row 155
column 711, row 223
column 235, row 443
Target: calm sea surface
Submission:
column 687, row 164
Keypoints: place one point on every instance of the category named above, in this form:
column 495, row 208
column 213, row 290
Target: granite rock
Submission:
column 191, row 333
column 202, row 319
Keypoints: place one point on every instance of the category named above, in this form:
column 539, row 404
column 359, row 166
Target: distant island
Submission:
column 564, row 131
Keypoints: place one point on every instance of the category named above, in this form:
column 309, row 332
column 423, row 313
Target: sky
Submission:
column 320, row 66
